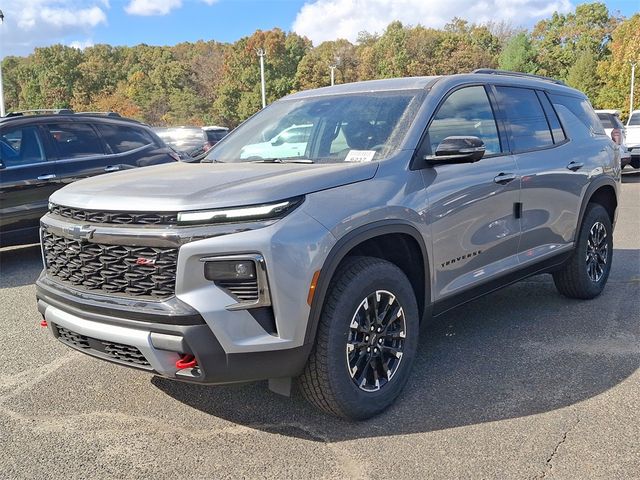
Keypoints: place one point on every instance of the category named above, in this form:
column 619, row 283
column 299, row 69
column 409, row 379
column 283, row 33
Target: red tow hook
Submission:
column 186, row 361
column 44, row 323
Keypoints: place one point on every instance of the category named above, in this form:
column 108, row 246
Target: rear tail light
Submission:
column 616, row 136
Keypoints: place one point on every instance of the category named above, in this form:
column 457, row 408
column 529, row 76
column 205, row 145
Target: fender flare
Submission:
column 591, row 189
column 340, row 250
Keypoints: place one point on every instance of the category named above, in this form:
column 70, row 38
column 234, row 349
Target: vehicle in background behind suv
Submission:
column 184, row 140
column 214, row 135
column 404, row 198
column 633, row 137
column 614, row 127
column 44, row 150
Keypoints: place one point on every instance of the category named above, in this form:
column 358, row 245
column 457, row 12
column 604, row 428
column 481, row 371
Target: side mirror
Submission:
column 457, row 150
column 277, row 141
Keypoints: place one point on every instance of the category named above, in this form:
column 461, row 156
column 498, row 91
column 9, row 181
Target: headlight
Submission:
column 249, row 213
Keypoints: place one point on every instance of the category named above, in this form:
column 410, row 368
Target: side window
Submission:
column 120, row 138
column 577, row 115
column 75, row 140
column 552, row 117
column 526, row 119
column 21, row 146
column 466, row 112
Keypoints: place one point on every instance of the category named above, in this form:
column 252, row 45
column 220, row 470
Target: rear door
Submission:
column 27, row 179
column 80, row 152
column 554, row 167
column 474, row 227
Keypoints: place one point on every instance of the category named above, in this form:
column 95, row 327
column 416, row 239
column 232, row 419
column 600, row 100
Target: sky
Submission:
column 80, row 23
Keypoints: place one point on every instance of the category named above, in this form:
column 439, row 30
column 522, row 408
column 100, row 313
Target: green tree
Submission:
column 560, row 39
column 582, row 75
column 518, row 55
column 239, row 95
column 616, row 70
column 313, row 70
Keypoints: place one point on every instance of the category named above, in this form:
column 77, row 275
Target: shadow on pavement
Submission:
column 20, row 265
column 517, row 352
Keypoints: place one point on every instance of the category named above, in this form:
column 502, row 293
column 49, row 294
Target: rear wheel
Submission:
column 586, row 273
column 366, row 341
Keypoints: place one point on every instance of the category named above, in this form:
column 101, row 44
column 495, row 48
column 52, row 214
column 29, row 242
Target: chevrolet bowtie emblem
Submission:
column 80, row 232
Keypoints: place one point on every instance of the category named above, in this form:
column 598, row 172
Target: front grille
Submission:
column 102, row 348
column 113, row 269
column 118, row 218
column 241, row 291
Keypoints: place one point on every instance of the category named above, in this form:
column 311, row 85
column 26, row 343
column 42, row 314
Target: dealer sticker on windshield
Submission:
column 359, row 156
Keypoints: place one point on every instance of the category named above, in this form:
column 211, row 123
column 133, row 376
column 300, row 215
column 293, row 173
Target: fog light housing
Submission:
column 229, row 270
column 243, row 277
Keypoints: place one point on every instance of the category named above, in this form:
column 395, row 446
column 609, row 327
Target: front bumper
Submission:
column 156, row 346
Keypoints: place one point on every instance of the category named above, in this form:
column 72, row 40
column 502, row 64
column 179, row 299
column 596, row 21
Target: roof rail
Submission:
column 106, row 114
column 492, row 71
column 41, row 111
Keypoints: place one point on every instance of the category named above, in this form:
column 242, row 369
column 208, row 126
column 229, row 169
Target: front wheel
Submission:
column 586, row 273
column 366, row 341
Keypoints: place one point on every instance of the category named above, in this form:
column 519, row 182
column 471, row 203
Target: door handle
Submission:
column 573, row 166
column 47, row 177
column 112, row 168
column 504, row 178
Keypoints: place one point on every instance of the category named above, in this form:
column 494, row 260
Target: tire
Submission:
column 360, row 286
column 585, row 278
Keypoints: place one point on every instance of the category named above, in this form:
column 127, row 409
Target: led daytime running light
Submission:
column 235, row 214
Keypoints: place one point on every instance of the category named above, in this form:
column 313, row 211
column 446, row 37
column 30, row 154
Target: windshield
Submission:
column 328, row 129
column 634, row 120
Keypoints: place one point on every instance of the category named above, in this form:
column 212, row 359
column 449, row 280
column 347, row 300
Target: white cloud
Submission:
column 156, row 7
column 34, row 23
column 323, row 20
column 81, row 44
column 152, row 7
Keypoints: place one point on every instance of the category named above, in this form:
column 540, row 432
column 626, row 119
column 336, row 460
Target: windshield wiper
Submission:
column 283, row 160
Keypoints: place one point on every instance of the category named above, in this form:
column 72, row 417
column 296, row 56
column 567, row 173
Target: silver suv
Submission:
column 412, row 196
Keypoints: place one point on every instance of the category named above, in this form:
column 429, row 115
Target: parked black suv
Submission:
column 44, row 150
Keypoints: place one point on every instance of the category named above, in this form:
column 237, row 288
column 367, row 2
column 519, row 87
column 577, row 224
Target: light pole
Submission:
column 261, row 54
column 633, row 76
column 332, row 68
column 2, row 112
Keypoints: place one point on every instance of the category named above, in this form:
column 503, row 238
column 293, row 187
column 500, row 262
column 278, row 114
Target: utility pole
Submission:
column 2, row 112
column 261, row 54
column 332, row 67
column 633, row 76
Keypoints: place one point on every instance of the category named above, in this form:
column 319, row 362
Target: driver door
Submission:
column 473, row 207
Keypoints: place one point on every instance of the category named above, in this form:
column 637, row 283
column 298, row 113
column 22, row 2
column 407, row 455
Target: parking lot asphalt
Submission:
column 522, row 383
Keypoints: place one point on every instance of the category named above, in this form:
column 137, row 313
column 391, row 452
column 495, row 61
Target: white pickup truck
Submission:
column 633, row 138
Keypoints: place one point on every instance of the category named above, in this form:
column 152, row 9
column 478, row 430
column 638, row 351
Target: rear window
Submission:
column 527, row 120
column 634, row 120
column 609, row 120
column 216, row 135
column 576, row 114
column 121, row 138
column 75, row 140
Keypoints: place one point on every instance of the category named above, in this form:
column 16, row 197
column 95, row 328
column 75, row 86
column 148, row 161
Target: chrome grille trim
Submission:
column 118, row 218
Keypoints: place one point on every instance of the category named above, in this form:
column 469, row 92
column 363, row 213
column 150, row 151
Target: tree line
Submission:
column 208, row 82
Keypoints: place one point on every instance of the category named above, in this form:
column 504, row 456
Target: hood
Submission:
column 182, row 186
